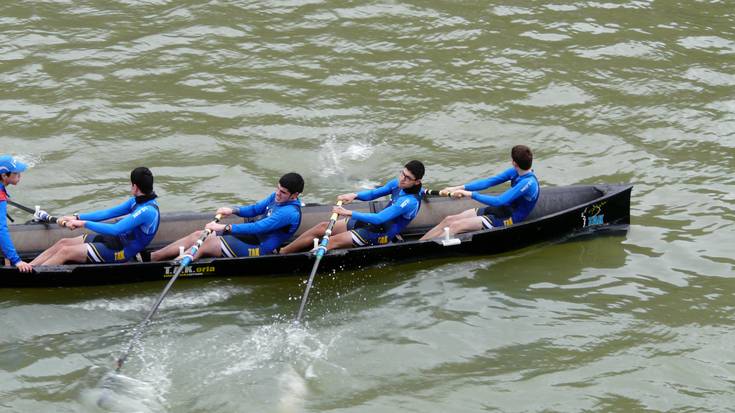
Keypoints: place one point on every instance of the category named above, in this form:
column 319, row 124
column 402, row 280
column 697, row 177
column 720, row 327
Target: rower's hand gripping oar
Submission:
column 186, row 260
column 320, row 251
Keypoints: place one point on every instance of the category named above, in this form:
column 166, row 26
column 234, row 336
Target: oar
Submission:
column 434, row 192
column 48, row 218
column 22, row 207
column 186, row 260
column 320, row 251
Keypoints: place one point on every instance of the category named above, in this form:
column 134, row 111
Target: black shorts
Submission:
column 495, row 216
column 364, row 233
column 247, row 245
column 104, row 248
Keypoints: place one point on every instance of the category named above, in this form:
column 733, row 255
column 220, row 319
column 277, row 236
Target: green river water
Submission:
column 219, row 98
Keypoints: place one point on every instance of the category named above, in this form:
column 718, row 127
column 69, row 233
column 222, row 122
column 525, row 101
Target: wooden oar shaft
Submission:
column 321, row 250
column 188, row 258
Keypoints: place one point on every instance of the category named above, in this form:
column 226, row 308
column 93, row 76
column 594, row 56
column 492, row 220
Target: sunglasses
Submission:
column 409, row 177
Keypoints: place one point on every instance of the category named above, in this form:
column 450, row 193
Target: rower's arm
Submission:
column 385, row 215
column 370, row 194
column 255, row 209
column 140, row 217
column 278, row 219
column 5, row 241
column 481, row 184
column 503, row 199
column 105, row 214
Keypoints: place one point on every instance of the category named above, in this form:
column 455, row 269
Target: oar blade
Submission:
column 321, row 250
column 117, row 392
column 186, row 260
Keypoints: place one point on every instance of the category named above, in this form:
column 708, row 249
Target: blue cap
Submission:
column 10, row 164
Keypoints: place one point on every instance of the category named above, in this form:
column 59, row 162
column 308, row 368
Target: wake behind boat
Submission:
column 560, row 211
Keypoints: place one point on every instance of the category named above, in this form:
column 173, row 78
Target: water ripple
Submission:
column 219, row 98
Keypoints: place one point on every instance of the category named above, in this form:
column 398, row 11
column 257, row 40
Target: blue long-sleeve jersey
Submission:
column 280, row 222
column 135, row 231
column 401, row 210
column 6, row 243
column 521, row 197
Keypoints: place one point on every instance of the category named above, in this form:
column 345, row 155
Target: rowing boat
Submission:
column 560, row 212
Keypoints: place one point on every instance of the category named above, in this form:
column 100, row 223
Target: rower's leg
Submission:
column 466, row 225
column 341, row 240
column 438, row 230
column 64, row 242
column 69, row 253
column 339, row 227
column 172, row 250
column 210, row 248
column 305, row 240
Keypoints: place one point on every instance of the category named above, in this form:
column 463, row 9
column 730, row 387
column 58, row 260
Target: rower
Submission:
column 361, row 229
column 513, row 206
column 10, row 169
column 114, row 242
column 281, row 212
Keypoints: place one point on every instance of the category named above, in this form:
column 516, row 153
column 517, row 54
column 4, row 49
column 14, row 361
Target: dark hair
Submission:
column 142, row 177
column 416, row 168
column 522, row 156
column 293, row 182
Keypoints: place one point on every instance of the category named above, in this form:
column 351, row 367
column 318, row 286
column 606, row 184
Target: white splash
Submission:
column 272, row 342
column 29, row 159
column 187, row 299
column 357, row 151
column 146, row 392
column 119, row 393
column 293, row 389
column 293, row 351
column 333, row 154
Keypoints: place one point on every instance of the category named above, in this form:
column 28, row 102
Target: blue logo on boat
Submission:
column 592, row 215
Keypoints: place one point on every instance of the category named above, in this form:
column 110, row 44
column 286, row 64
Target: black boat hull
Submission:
column 561, row 212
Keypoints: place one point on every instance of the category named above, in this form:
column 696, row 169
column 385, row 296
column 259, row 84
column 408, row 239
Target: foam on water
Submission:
column 293, row 389
column 29, row 159
column 289, row 350
column 281, row 341
column 119, row 393
column 333, row 155
column 357, row 151
column 143, row 389
column 186, row 299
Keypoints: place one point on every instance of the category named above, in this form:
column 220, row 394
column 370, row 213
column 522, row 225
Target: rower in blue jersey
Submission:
column 361, row 228
column 511, row 207
column 114, row 242
column 10, row 169
column 281, row 217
